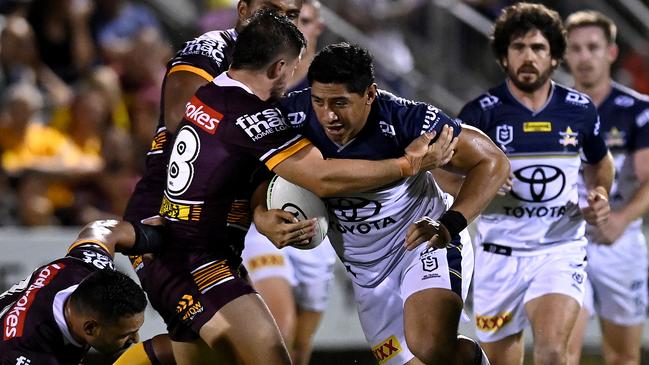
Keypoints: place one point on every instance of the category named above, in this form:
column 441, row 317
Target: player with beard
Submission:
column 617, row 252
column 531, row 258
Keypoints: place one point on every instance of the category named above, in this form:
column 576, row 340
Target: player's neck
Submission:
column 597, row 92
column 255, row 81
column 533, row 100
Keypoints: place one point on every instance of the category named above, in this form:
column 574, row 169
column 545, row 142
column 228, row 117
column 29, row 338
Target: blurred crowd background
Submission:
column 80, row 81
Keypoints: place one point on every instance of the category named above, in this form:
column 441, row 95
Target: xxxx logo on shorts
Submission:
column 493, row 323
column 386, row 349
column 265, row 261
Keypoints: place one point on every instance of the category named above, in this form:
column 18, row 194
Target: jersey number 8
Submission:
column 181, row 169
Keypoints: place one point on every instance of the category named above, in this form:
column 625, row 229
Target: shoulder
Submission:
column 212, row 46
column 572, row 98
column 93, row 253
column 296, row 106
column 637, row 103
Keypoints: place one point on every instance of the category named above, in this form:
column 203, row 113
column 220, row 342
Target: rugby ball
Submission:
column 295, row 199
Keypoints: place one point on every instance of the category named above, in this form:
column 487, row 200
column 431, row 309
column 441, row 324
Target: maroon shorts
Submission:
column 187, row 289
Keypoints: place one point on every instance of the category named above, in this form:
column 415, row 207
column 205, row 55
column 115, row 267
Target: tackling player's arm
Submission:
column 485, row 168
column 309, row 169
column 122, row 236
column 179, row 87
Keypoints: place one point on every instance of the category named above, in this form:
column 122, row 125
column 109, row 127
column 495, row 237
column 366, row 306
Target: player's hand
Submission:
column 427, row 230
column 598, row 209
column 507, row 186
column 611, row 231
column 283, row 229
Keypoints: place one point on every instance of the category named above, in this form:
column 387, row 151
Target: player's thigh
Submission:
column 621, row 344
column 553, row 317
column 431, row 316
column 278, row 296
column 198, row 353
column 249, row 327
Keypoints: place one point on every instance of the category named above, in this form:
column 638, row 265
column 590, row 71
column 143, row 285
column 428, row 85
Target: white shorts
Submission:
column 617, row 278
column 309, row 272
column 503, row 284
column 380, row 309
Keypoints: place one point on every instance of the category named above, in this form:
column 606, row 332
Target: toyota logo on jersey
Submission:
column 538, row 183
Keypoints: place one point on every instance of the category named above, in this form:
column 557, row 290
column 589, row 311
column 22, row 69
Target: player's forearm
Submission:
column 336, row 177
column 481, row 185
column 638, row 205
column 600, row 174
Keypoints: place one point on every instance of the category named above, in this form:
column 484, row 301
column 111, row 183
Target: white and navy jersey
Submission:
column 368, row 230
column 541, row 212
column 625, row 128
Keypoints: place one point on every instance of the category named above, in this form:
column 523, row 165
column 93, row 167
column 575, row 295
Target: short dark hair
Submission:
column 518, row 19
column 342, row 63
column 108, row 294
column 267, row 35
column 586, row 18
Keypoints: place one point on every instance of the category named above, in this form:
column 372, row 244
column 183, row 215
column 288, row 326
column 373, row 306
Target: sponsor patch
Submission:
column 488, row 102
column 386, row 350
column 179, row 211
column 159, row 141
column 15, row 318
column 202, row 115
column 188, row 308
column 531, row 127
column 577, row 99
column 270, row 260
column 493, row 323
column 262, row 124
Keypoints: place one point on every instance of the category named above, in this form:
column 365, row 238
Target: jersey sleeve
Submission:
column 12, row 294
column 471, row 115
column 296, row 106
column 92, row 252
column 421, row 117
column 593, row 145
column 206, row 56
column 641, row 133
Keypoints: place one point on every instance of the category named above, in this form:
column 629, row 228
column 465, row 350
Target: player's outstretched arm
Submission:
column 122, row 236
column 309, row 169
column 486, row 169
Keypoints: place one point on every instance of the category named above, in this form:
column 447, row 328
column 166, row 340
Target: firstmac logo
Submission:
column 261, row 124
column 202, row 115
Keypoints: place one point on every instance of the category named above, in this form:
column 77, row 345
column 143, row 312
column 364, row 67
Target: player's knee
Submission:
column 432, row 350
column 622, row 358
column 550, row 354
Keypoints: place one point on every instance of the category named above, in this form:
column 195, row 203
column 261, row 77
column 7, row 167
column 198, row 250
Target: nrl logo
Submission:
column 504, row 134
column 429, row 260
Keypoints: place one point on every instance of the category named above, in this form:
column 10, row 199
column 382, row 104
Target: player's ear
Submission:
column 91, row 328
column 613, row 52
column 371, row 93
column 276, row 68
column 242, row 9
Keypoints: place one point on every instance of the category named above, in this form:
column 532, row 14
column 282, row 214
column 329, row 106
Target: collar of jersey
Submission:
column 225, row 80
column 59, row 316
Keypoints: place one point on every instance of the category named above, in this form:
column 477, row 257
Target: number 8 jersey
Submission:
column 541, row 212
column 226, row 145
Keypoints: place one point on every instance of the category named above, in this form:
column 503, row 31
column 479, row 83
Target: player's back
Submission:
column 33, row 322
column 541, row 212
column 224, row 148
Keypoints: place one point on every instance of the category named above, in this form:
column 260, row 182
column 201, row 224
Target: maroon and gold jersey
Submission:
column 225, row 146
column 34, row 330
column 207, row 56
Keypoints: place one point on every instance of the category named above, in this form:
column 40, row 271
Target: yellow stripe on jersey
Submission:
column 286, row 153
column 135, row 355
column 81, row 242
column 193, row 69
